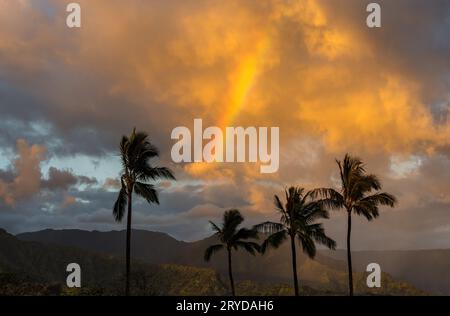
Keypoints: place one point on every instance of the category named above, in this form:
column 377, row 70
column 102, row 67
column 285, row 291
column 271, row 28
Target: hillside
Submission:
column 425, row 269
column 152, row 247
column 159, row 248
column 32, row 268
column 324, row 274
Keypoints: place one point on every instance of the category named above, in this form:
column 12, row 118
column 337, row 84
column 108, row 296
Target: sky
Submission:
column 312, row 68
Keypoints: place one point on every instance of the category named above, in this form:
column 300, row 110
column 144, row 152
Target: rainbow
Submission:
column 243, row 80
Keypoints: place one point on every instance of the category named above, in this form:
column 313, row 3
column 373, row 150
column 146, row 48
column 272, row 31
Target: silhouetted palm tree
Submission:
column 232, row 238
column 298, row 220
column 355, row 196
column 136, row 151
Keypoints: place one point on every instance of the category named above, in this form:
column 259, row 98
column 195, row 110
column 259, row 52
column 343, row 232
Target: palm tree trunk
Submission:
column 349, row 254
column 294, row 265
column 128, row 246
column 230, row 272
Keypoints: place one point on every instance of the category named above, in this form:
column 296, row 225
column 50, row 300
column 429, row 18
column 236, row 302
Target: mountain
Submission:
column 152, row 247
column 160, row 248
column 47, row 262
column 327, row 273
column 33, row 268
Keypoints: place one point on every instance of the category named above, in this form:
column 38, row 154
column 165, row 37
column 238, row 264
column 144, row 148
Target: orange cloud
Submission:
column 237, row 62
column 27, row 180
column 291, row 64
column 68, row 201
column 389, row 117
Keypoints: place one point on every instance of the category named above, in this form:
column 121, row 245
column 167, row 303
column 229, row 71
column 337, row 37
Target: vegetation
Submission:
column 136, row 151
column 189, row 281
column 34, row 268
column 232, row 238
column 298, row 221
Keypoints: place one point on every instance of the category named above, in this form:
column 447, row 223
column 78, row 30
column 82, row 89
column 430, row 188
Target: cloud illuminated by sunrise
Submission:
column 309, row 67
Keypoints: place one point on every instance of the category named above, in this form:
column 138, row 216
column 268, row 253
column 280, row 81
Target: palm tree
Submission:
column 136, row 151
column 298, row 220
column 356, row 196
column 232, row 238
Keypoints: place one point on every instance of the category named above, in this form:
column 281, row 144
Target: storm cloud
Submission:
column 312, row 68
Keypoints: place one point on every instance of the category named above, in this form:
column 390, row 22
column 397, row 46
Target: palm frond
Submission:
column 381, row 198
column 212, row 250
column 137, row 144
column 279, row 205
column 350, row 168
column 368, row 206
column 274, row 240
column 269, row 227
column 124, row 151
column 249, row 246
column 313, row 211
column 145, row 172
column 231, row 220
column 120, row 204
column 363, row 184
column 328, row 197
column 245, row 233
column 216, row 228
column 147, row 191
column 368, row 210
column 308, row 245
column 317, row 232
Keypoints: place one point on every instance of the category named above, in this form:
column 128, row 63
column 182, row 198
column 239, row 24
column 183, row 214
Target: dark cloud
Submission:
column 59, row 179
column 329, row 82
column 24, row 179
column 87, row 180
column 64, row 179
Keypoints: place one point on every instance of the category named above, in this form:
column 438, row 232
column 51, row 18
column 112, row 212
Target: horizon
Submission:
column 319, row 247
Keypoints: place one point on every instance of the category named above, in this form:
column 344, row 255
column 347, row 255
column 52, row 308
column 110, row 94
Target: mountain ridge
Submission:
column 161, row 248
column 35, row 268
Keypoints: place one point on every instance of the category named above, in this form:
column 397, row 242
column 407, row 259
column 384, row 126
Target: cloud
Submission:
column 59, row 179
column 68, row 201
column 87, row 180
column 111, row 183
column 310, row 67
column 27, row 173
column 328, row 74
column 25, row 179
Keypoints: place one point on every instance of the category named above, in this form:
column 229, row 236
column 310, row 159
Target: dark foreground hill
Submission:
column 32, row 268
column 325, row 274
